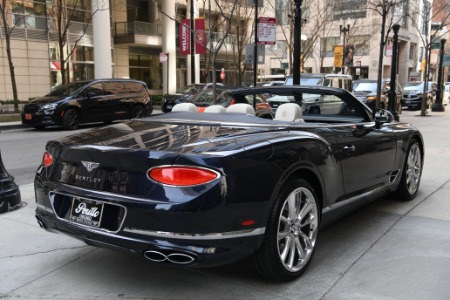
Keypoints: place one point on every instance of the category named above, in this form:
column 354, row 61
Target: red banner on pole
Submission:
column 200, row 36
column 185, row 37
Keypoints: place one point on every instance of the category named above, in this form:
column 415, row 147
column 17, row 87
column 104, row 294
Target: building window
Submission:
column 145, row 66
column 83, row 53
column 412, row 51
column 29, row 14
column 361, row 44
column 327, row 46
column 282, row 12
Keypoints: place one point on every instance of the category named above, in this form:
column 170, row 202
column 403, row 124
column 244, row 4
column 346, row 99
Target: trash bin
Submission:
column 9, row 191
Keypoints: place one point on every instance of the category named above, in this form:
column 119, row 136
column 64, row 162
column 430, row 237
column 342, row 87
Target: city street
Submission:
column 387, row 250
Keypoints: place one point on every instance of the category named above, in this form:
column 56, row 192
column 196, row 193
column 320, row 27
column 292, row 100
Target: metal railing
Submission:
column 141, row 28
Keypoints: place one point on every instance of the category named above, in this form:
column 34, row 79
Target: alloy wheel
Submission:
column 297, row 229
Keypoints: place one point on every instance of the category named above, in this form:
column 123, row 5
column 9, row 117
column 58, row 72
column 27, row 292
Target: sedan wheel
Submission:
column 71, row 119
column 411, row 174
column 138, row 112
column 291, row 235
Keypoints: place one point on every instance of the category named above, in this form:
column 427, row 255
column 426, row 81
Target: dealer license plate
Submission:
column 86, row 212
column 27, row 116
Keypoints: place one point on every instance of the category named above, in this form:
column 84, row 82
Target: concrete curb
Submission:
column 11, row 125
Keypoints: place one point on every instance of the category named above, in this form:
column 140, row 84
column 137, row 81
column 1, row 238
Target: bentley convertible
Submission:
column 207, row 189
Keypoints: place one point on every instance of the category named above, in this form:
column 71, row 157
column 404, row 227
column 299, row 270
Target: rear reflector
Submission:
column 47, row 160
column 182, row 176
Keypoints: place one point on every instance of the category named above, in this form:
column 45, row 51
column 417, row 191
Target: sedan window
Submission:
column 95, row 89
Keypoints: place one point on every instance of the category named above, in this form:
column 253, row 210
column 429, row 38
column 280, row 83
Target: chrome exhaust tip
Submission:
column 180, row 258
column 155, row 256
column 171, row 257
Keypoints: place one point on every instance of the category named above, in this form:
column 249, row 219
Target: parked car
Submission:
column 205, row 98
column 413, row 94
column 223, row 98
column 309, row 79
column 366, row 91
column 99, row 100
column 263, row 109
column 270, row 83
column 205, row 189
column 183, row 95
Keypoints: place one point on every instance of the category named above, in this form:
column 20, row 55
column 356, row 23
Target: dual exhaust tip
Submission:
column 174, row 257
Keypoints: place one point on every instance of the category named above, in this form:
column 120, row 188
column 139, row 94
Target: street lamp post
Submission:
column 297, row 42
column 192, row 43
column 392, row 94
column 437, row 106
column 344, row 30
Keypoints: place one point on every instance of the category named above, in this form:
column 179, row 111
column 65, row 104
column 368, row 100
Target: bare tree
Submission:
column 385, row 9
column 64, row 13
column 225, row 13
column 421, row 18
column 8, row 25
column 241, row 29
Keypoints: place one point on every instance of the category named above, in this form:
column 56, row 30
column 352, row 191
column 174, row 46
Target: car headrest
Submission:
column 241, row 108
column 187, row 107
column 290, row 112
column 215, row 109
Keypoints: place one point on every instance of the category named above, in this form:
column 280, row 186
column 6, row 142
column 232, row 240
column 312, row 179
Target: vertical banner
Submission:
column 338, row 55
column 185, row 37
column 200, row 36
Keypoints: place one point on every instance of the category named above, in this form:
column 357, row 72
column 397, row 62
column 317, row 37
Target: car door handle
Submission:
column 349, row 148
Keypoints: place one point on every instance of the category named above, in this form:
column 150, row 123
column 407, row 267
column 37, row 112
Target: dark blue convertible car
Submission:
column 207, row 189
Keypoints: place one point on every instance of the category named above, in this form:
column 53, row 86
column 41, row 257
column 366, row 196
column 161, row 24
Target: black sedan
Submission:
column 206, row 189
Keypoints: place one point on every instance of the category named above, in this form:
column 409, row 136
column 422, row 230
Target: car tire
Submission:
column 137, row 112
column 291, row 234
column 71, row 119
column 411, row 173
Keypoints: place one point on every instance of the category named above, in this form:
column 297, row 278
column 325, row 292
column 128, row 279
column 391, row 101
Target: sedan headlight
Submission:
column 372, row 98
column 49, row 106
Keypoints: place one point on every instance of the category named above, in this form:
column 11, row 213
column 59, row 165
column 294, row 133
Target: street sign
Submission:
column 163, row 57
column 267, row 31
column 249, row 53
column 338, row 55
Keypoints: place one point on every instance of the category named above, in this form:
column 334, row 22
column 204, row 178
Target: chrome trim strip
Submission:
column 353, row 199
column 199, row 236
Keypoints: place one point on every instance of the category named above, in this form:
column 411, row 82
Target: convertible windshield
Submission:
column 67, row 89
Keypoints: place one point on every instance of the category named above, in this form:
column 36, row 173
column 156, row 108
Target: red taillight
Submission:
column 47, row 160
column 232, row 101
column 182, row 176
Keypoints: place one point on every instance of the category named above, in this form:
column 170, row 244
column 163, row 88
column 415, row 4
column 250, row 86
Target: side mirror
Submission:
column 382, row 116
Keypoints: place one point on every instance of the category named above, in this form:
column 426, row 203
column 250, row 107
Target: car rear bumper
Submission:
column 40, row 119
column 212, row 246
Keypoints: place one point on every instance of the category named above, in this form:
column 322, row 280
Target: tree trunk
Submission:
column 12, row 73
column 380, row 59
column 9, row 55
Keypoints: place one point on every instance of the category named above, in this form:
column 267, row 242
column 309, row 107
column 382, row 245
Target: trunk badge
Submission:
column 89, row 165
